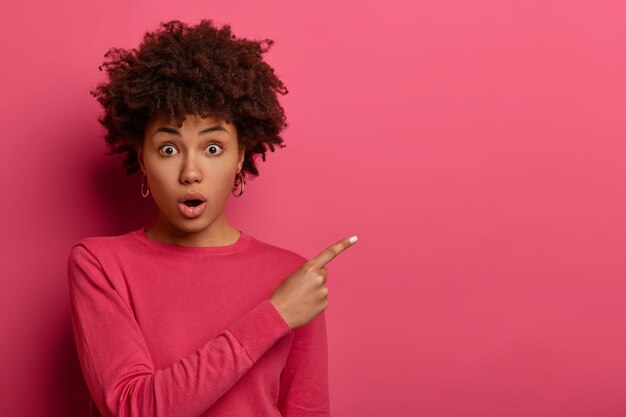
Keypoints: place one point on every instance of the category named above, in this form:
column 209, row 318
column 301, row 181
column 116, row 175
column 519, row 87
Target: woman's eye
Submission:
column 214, row 149
column 169, row 149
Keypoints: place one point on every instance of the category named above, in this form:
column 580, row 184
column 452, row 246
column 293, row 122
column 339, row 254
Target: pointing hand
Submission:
column 303, row 294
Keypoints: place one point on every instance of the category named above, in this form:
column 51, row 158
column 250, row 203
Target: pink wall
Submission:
column 475, row 147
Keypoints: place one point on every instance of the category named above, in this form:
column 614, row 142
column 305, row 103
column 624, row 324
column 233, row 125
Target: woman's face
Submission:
column 202, row 157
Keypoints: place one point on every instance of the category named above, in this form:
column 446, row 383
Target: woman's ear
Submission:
column 242, row 154
column 140, row 158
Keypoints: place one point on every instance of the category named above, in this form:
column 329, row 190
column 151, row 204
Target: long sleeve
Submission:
column 304, row 390
column 116, row 362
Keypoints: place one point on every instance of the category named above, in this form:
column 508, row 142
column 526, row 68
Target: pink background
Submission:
column 475, row 147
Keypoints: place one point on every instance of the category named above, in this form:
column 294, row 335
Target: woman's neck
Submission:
column 219, row 233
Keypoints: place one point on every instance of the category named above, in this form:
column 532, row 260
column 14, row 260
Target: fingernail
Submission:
column 353, row 239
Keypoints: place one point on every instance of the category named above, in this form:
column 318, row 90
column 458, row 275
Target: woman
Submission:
column 192, row 317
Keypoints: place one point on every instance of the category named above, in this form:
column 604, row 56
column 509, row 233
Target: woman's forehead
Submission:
column 189, row 120
column 193, row 124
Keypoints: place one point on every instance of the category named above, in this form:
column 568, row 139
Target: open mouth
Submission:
column 192, row 203
column 192, row 208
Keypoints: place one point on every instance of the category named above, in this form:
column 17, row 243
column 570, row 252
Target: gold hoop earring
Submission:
column 148, row 192
column 243, row 185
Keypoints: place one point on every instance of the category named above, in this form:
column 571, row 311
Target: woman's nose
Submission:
column 190, row 171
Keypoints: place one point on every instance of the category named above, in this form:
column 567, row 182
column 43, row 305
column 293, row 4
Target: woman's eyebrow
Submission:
column 175, row 132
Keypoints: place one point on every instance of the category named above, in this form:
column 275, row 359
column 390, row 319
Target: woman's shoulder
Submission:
column 97, row 244
column 278, row 252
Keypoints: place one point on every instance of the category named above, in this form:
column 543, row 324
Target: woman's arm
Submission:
column 116, row 362
column 304, row 380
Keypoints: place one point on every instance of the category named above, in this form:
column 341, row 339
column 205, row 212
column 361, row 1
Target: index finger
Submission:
column 332, row 251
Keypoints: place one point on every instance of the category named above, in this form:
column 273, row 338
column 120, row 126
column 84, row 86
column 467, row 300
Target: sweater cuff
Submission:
column 259, row 329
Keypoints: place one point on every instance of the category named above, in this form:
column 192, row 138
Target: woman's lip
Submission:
column 191, row 212
column 192, row 196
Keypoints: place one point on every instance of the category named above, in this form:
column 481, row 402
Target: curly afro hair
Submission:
column 202, row 70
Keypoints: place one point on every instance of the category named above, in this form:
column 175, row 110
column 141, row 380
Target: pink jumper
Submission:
column 166, row 330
